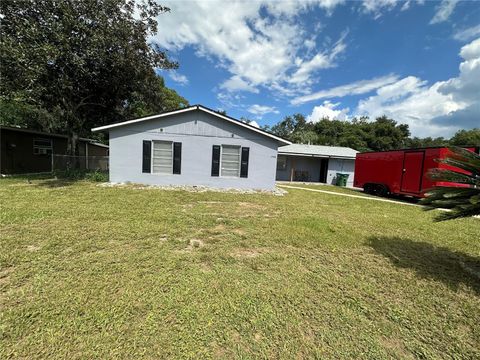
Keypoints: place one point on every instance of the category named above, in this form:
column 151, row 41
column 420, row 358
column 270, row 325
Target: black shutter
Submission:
column 147, row 156
column 244, row 163
column 177, row 157
column 216, row 160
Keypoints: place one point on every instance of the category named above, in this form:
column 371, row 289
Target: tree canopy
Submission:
column 73, row 65
column 362, row 134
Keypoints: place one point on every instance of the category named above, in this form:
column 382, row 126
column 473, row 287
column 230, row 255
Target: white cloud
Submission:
column 467, row 34
column 236, row 83
column 256, row 50
column 443, row 11
column 377, row 6
column 355, row 88
column 178, row 78
column 414, row 105
column 254, row 123
column 431, row 110
column 328, row 110
column 320, row 61
column 261, row 110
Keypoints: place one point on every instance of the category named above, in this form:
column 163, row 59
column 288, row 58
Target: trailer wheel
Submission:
column 376, row 189
column 368, row 189
column 381, row 190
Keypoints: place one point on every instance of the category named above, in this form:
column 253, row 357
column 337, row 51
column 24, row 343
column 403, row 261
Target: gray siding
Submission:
column 198, row 132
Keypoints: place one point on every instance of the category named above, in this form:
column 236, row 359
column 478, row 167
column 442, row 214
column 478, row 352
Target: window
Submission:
column 281, row 162
column 42, row 146
column 162, row 157
column 230, row 161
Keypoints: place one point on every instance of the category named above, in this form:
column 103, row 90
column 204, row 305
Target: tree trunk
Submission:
column 72, row 150
column 72, row 147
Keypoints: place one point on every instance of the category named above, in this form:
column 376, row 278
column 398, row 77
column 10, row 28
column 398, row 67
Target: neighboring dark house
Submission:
column 28, row 151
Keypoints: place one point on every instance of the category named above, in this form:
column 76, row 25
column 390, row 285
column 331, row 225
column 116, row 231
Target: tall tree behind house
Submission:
column 84, row 63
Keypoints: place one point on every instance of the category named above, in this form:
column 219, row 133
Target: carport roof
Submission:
column 318, row 151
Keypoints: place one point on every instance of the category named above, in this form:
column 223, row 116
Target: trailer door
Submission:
column 412, row 172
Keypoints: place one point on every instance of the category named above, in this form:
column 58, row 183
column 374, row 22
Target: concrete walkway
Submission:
column 348, row 195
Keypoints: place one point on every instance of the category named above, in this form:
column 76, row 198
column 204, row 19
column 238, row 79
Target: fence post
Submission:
column 86, row 156
column 51, row 162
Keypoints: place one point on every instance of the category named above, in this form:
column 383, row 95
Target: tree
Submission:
column 85, row 62
column 385, row 134
column 461, row 201
column 466, row 137
column 417, row 142
column 156, row 98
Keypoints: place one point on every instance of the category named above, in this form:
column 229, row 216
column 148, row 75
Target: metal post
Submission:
column 86, row 156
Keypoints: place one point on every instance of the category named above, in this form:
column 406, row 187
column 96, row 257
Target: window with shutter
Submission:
column 162, row 157
column 147, row 156
column 230, row 161
column 216, row 160
column 244, row 162
column 177, row 157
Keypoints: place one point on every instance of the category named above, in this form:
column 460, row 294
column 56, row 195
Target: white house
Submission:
column 192, row 146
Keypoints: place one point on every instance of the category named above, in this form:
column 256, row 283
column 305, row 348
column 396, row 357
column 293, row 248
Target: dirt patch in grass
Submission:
column 250, row 205
column 5, row 274
column 33, row 248
column 195, row 244
column 239, row 232
column 396, row 346
column 247, row 253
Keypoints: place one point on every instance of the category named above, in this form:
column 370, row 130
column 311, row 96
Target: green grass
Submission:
column 95, row 272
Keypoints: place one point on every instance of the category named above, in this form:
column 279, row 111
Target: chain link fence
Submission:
column 69, row 162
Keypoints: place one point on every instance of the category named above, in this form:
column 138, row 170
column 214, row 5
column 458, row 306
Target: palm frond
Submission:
column 463, row 201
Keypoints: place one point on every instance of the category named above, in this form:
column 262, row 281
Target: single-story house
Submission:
column 25, row 151
column 315, row 163
column 192, row 146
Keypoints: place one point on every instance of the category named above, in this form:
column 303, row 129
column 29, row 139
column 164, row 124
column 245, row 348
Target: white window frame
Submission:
column 42, row 149
column 151, row 157
column 239, row 161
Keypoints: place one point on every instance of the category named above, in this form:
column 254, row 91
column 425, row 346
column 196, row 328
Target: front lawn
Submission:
column 97, row 272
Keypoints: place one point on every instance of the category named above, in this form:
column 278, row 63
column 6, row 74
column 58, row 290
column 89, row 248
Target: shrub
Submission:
column 79, row 174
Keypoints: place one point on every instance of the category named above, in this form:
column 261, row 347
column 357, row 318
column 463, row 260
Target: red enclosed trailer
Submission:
column 401, row 172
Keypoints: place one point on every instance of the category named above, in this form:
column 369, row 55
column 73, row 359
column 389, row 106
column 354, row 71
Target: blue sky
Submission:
column 415, row 61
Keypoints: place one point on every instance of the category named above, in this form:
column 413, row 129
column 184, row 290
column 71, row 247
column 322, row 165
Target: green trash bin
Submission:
column 341, row 179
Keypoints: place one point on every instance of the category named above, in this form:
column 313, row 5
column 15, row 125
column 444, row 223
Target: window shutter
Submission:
column 177, row 157
column 215, row 160
column 147, row 156
column 244, row 163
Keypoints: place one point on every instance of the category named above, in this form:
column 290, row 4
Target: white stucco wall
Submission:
column 340, row 166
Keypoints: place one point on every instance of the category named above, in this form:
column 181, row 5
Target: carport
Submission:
column 315, row 163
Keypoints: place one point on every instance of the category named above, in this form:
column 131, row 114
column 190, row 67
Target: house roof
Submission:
column 193, row 108
column 318, row 151
column 43, row 133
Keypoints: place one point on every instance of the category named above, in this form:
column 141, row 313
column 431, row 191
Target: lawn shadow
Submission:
column 56, row 182
column 428, row 261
